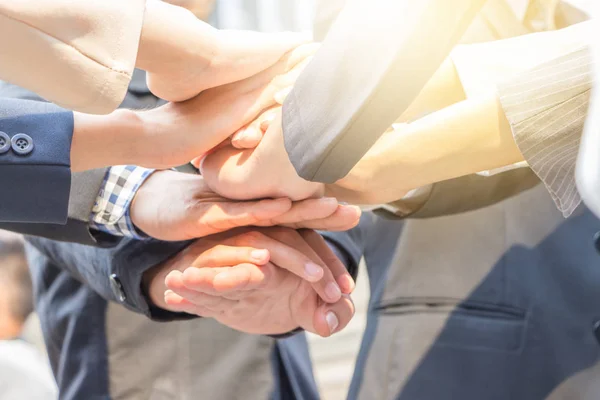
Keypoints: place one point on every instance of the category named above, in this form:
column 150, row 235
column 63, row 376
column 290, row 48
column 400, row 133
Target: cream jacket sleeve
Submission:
column 79, row 54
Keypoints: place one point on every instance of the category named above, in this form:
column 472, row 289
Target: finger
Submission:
column 177, row 303
column 223, row 255
column 301, row 53
column 240, row 278
column 226, row 281
column 225, row 215
column 342, row 219
column 283, row 83
column 332, row 318
column 337, row 268
column 266, row 122
column 282, row 95
column 174, row 282
column 196, row 162
column 250, row 136
column 307, row 210
column 303, row 256
column 289, row 251
column 279, row 81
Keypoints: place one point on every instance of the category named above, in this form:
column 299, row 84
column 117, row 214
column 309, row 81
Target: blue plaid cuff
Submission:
column 110, row 213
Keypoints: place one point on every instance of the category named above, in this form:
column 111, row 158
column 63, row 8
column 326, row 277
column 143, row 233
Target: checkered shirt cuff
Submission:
column 110, row 213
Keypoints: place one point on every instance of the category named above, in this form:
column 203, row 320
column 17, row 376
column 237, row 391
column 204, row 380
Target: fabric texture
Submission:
column 356, row 85
column 547, row 109
column 84, row 185
column 111, row 212
column 544, row 95
column 35, row 186
column 79, row 55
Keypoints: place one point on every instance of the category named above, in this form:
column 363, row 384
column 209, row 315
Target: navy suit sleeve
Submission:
column 350, row 246
column 36, row 184
column 114, row 273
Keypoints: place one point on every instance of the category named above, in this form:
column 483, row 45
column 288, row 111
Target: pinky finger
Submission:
column 176, row 303
column 332, row 318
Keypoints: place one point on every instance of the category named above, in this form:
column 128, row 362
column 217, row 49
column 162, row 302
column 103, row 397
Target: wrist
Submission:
column 104, row 140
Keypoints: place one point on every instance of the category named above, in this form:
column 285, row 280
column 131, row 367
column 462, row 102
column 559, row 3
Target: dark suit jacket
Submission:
column 84, row 186
column 35, row 184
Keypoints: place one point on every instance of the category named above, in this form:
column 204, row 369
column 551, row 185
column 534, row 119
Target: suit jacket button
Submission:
column 597, row 241
column 4, row 143
column 117, row 288
column 22, row 144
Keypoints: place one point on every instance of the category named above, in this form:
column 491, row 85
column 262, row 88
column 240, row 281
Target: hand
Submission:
column 175, row 133
column 265, row 171
column 176, row 206
column 178, row 132
column 237, row 55
column 217, row 278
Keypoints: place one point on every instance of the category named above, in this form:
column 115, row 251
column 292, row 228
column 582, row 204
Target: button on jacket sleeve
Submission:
column 376, row 58
column 35, row 174
column 77, row 54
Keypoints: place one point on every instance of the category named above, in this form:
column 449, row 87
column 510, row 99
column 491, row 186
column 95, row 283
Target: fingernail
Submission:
column 332, row 321
column 259, row 255
column 329, row 200
column 313, row 271
column 333, row 291
column 348, row 283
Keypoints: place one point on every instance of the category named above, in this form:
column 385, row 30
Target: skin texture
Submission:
column 176, row 206
column 177, row 132
column 217, row 278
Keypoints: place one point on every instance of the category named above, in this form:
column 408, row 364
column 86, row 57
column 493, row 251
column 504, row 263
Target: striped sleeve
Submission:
column 546, row 108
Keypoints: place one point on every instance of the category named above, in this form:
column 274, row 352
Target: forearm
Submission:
column 462, row 139
column 104, row 140
column 326, row 136
column 171, row 37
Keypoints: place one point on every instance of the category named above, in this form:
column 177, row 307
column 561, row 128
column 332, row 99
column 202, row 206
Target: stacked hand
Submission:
column 258, row 280
column 264, row 171
column 238, row 55
column 176, row 206
column 175, row 133
column 219, row 277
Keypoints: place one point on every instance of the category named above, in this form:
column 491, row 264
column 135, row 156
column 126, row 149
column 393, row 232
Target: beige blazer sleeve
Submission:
column 79, row 54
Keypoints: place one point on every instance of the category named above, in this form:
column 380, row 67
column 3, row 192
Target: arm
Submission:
column 35, row 172
column 85, row 187
column 375, row 59
column 134, row 273
column 459, row 140
column 464, row 194
column 88, row 50
column 116, row 274
column 166, row 136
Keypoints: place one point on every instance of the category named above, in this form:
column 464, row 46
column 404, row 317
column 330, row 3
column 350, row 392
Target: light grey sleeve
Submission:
column 376, row 58
column 547, row 108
